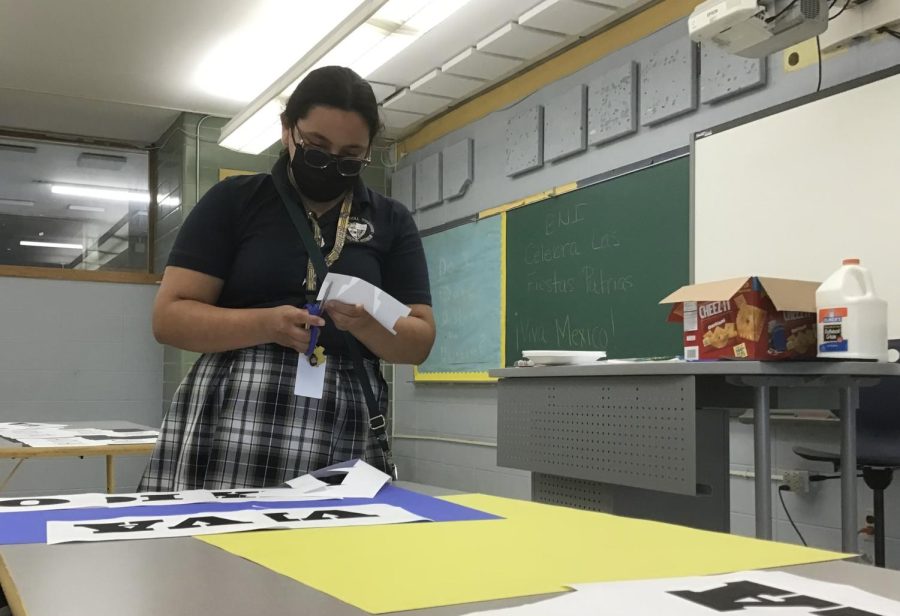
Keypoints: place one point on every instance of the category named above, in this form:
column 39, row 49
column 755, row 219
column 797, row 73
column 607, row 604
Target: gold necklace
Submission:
column 339, row 238
column 340, row 234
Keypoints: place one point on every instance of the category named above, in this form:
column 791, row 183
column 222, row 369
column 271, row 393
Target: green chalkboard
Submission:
column 465, row 265
column 586, row 269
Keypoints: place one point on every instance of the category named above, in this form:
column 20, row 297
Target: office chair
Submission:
column 877, row 446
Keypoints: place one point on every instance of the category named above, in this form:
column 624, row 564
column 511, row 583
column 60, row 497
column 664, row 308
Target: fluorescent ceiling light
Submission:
column 250, row 58
column 87, row 208
column 98, row 192
column 373, row 42
column 391, row 30
column 51, row 245
column 258, row 132
column 169, row 201
column 16, row 202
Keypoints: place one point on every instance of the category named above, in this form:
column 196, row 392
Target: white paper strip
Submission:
column 353, row 479
column 10, row 428
column 79, row 501
column 292, row 494
column 75, row 441
column 355, row 515
column 43, row 503
column 224, row 522
column 269, row 494
column 80, row 441
column 49, row 433
column 155, row 527
column 352, row 290
column 160, row 498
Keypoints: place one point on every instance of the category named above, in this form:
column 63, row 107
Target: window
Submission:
column 73, row 206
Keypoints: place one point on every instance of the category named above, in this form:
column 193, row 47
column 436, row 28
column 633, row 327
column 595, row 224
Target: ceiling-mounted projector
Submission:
column 747, row 28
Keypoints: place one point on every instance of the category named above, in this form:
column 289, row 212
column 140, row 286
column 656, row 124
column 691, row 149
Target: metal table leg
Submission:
column 848, row 471
column 762, row 461
column 11, row 473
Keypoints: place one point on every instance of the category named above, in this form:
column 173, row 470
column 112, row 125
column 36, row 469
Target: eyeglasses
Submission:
column 348, row 166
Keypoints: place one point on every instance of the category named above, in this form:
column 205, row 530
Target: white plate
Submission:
column 563, row 358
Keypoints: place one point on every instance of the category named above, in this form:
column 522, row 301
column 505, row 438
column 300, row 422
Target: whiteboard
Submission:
column 794, row 193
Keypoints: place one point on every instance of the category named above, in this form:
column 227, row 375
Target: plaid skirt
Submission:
column 236, row 423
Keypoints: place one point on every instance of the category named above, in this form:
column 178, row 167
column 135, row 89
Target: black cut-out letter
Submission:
column 121, row 527
column 235, row 494
column 204, row 521
column 846, row 611
column 280, row 516
column 113, row 500
column 736, row 596
column 156, row 498
column 336, row 514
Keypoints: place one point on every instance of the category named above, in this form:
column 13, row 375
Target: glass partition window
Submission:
column 73, row 206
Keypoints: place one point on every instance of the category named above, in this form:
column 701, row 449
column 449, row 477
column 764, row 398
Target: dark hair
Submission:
column 333, row 86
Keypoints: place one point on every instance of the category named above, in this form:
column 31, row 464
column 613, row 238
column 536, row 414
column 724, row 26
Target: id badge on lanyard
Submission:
column 310, row 381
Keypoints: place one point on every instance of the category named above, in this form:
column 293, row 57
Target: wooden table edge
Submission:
column 62, row 452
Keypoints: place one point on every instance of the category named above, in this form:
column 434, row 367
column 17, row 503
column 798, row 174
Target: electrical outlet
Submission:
column 800, row 56
column 797, row 481
column 867, row 529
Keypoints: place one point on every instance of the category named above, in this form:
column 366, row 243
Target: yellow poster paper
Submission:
column 536, row 549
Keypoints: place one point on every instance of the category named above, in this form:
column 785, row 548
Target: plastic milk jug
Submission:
column 852, row 321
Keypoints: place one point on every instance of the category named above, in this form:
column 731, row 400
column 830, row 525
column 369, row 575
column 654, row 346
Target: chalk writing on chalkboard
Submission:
column 586, row 269
column 466, row 270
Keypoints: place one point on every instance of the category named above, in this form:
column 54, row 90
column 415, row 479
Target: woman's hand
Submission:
column 348, row 317
column 289, row 326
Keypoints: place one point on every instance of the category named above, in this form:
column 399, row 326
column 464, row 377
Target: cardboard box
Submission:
column 753, row 317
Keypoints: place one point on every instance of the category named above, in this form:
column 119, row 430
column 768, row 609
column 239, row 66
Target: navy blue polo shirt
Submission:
column 241, row 233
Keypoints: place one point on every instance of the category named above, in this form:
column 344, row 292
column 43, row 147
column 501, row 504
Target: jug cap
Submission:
column 853, row 261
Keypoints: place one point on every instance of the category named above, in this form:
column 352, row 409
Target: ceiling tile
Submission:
column 399, row 119
column 426, row 104
column 571, row 17
column 382, row 90
column 446, row 84
column 619, row 4
column 474, row 63
column 518, row 41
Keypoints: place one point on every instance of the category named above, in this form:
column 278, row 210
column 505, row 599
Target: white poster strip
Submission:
column 749, row 593
column 44, row 503
column 158, row 527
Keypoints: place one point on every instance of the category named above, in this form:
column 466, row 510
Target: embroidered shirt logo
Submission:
column 360, row 229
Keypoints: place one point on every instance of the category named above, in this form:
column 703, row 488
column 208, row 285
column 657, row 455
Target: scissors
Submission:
column 315, row 354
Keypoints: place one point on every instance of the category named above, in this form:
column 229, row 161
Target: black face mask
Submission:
column 320, row 185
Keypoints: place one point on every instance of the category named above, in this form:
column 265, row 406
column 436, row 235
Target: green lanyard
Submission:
column 377, row 424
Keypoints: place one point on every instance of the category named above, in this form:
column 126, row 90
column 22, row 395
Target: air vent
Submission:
column 107, row 162
column 18, row 149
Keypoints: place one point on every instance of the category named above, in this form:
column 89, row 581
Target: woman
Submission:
column 234, row 288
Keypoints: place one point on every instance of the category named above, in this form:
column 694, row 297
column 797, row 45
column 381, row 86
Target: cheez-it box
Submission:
column 755, row 317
